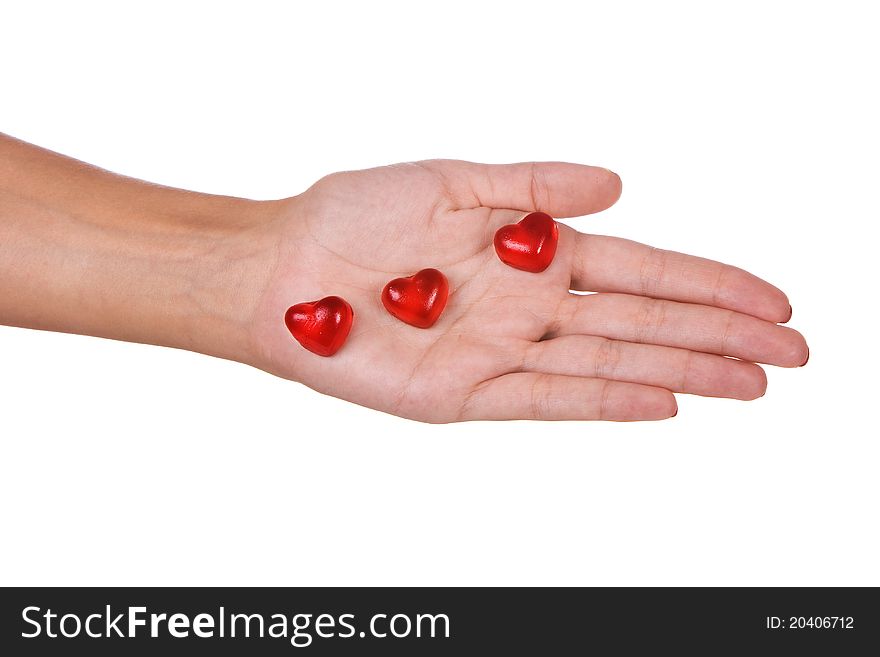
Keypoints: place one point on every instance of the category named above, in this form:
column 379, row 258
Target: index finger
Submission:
column 613, row 264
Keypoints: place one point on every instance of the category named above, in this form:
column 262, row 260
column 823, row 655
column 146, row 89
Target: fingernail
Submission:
column 790, row 313
column 808, row 357
column 676, row 413
column 614, row 174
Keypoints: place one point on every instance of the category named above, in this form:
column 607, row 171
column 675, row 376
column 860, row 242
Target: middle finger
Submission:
column 684, row 325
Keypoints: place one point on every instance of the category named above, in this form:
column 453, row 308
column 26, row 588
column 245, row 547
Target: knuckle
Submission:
column 650, row 318
column 607, row 359
column 541, row 398
column 604, row 395
column 653, row 270
column 687, row 367
column 539, row 190
column 719, row 287
column 727, row 332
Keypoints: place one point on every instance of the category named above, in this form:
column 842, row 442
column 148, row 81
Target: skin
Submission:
column 85, row 251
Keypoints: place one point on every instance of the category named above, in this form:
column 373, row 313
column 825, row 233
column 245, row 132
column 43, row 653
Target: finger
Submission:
column 558, row 188
column 611, row 264
column 684, row 325
column 535, row 396
column 678, row 370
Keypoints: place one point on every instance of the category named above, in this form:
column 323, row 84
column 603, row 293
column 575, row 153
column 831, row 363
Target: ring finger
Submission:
column 678, row 370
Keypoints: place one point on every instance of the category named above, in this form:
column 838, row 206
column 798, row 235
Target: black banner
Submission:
column 438, row 621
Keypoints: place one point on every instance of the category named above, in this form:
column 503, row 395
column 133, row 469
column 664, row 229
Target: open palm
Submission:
column 512, row 344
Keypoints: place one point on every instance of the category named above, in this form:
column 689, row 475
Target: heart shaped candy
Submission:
column 530, row 244
column 320, row 326
column 418, row 299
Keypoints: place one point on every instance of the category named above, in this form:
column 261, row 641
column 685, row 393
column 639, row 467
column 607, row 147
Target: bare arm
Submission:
column 86, row 251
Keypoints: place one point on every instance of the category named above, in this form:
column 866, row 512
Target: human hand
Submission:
column 90, row 252
column 510, row 344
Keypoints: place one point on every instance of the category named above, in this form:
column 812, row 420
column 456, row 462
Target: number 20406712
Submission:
column 810, row 622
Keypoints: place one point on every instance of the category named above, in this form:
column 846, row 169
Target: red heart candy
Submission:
column 419, row 299
column 320, row 326
column 530, row 244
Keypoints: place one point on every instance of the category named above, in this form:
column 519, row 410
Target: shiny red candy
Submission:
column 419, row 299
column 530, row 244
column 320, row 326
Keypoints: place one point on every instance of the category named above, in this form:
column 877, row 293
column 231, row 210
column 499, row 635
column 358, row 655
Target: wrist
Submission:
column 222, row 264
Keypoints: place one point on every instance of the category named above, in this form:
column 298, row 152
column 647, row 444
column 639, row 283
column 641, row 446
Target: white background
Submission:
column 748, row 134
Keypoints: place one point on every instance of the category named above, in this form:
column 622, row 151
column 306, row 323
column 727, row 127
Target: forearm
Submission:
column 86, row 251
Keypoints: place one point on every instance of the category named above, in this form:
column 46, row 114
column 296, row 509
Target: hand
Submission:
column 510, row 344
